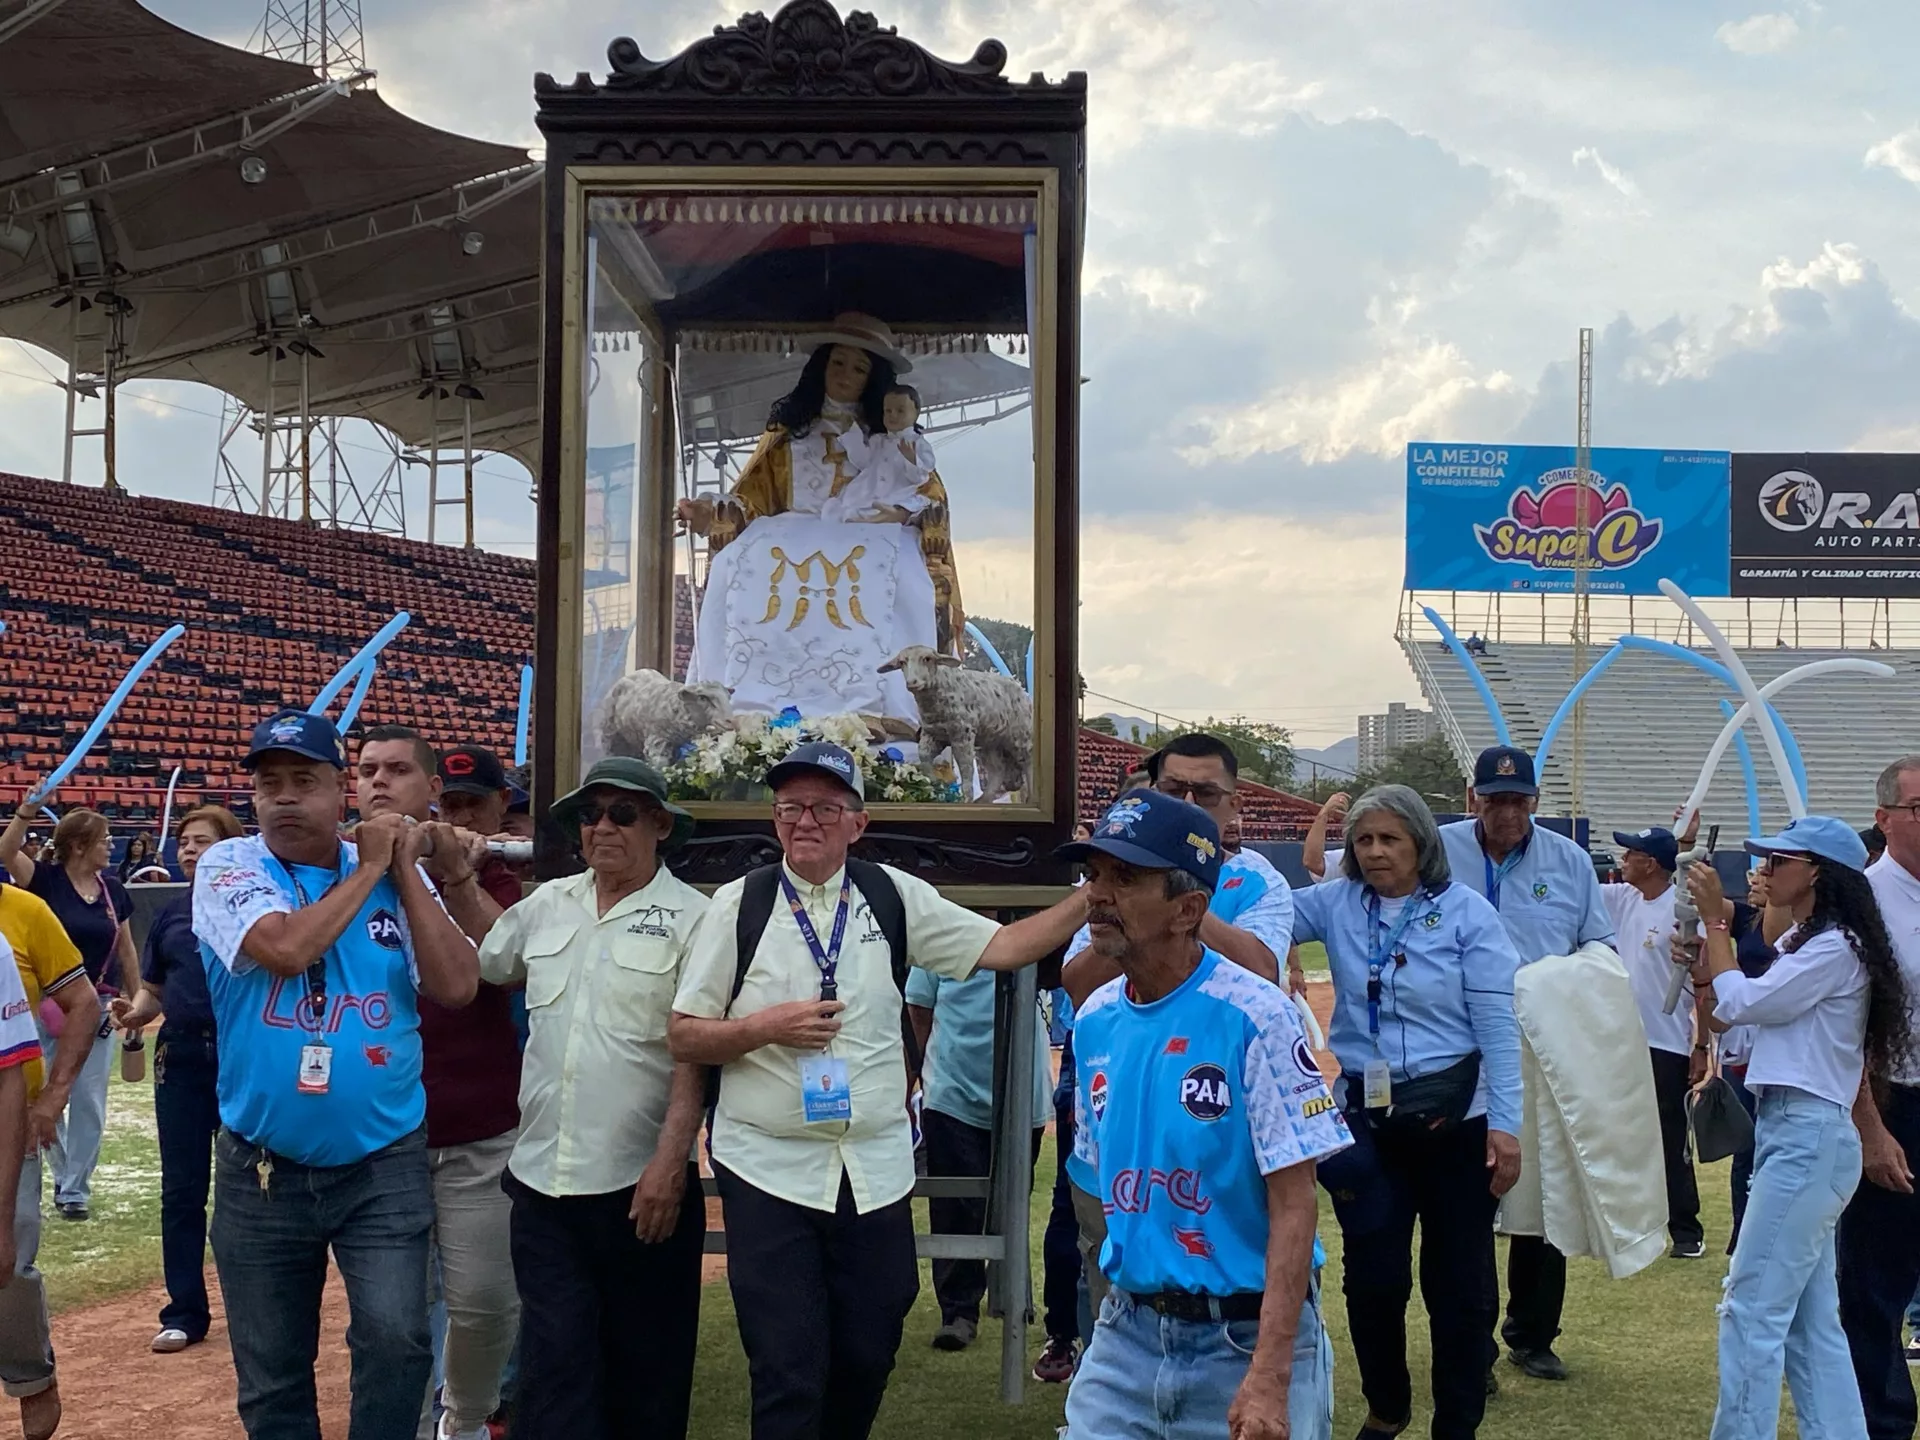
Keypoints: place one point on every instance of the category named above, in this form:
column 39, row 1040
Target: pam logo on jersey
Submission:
column 383, row 928
column 1204, row 1094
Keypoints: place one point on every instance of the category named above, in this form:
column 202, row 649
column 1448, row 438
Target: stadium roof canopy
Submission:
column 218, row 216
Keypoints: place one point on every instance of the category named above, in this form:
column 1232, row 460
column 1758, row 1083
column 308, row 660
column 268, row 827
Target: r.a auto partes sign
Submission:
column 1833, row 525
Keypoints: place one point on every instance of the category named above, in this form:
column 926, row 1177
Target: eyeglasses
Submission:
column 622, row 812
column 1778, row 855
column 1202, row 795
column 824, row 812
column 1910, row 808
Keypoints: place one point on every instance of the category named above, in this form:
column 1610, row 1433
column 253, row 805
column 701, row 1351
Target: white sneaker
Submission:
column 482, row 1431
column 171, row 1341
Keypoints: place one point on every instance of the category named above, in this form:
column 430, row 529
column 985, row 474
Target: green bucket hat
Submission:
column 625, row 772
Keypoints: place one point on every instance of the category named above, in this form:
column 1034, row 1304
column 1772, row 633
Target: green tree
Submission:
column 1104, row 725
column 1425, row 766
column 1011, row 640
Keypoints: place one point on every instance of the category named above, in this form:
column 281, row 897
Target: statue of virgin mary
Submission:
column 802, row 607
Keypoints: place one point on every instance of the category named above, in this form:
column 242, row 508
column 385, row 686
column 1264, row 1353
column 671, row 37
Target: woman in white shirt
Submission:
column 1831, row 1002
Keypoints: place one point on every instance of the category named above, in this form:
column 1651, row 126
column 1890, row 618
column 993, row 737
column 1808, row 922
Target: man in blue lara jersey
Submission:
column 314, row 949
column 1547, row 892
column 1201, row 1116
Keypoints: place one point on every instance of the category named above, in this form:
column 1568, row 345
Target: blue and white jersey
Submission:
column 1186, row 1104
column 1256, row 898
column 1549, row 896
column 371, row 1020
column 1452, row 996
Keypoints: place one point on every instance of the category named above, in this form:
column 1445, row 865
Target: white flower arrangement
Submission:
column 733, row 764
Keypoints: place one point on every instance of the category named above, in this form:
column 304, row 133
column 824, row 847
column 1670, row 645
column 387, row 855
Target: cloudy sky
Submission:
column 1319, row 230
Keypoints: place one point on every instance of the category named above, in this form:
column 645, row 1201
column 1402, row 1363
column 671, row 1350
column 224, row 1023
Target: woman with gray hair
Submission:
column 1429, row 1054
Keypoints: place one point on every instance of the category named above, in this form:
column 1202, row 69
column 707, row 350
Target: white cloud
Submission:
column 1612, row 174
column 1898, row 153
column 1417, row 385
column 1759, row 34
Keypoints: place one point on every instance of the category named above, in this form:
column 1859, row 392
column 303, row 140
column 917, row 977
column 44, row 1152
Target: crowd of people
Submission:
column 486, row 1104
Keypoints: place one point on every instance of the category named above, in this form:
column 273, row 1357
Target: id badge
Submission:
column 1379, row 1084
column 825, row 1093
column 316, row 1069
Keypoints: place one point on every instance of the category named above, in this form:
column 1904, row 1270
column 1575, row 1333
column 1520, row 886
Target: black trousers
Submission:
column 1380, row 1187
column 1060, row 1250
column 608, row 1325
column 821, row 1298
column 1536, row 1292
column 186, row 1108
column 1683, row 1195
column 1878, row 1248
column 957, row 1148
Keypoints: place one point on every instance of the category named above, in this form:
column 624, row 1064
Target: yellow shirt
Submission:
column 596, row 1076
column 45, row 957
column 760, row 1131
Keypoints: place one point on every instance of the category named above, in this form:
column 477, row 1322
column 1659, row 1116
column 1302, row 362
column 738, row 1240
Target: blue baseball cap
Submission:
column 1655, row 841
column 311, row 737
column 1155, row 832
column 819, row 757
column 1504, row 770
column 1818, row 835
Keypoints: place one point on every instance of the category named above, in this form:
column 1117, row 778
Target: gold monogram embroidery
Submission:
column 831, row 570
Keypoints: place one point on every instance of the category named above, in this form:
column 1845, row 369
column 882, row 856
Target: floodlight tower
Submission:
column 324, row 35
column 297, row 446
column 1583, row 514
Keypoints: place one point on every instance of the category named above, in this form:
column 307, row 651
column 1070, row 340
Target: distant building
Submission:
column 1399, row 726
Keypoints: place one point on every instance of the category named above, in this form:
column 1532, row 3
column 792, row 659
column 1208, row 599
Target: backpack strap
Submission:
column 890, row 913
column 756, row 909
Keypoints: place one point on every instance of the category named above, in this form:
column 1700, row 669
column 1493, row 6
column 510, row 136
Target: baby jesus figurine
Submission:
column 891, row 486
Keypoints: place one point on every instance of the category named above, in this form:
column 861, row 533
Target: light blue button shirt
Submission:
column 1550, row 899
column 957, row 1079
column 1453, row 996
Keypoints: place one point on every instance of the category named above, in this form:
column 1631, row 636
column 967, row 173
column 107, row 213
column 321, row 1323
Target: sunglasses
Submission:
column 1202, row 794
column 624, row 813
column 1778, row 855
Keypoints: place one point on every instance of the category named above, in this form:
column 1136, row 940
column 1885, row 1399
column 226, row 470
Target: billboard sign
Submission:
column 1832, row 525
column 1506, row 517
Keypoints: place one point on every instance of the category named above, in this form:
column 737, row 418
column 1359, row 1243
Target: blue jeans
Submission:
column 186, row 1072
column 1782, row 1306
column 76, row 1143
column 1146, row 1377
column 270, row 1245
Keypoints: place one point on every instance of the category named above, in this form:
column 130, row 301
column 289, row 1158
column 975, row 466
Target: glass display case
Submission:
column 808, row 455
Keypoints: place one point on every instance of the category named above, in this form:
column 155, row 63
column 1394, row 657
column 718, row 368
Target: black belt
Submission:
column 1185, row 1305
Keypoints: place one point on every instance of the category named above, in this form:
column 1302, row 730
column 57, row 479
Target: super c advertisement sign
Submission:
column 1507, row 517
column 1831, row 525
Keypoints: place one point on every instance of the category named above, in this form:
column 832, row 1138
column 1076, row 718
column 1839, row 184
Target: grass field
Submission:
column 1641, row 1350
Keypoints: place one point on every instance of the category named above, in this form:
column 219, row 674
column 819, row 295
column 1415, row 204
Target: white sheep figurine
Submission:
column 984, row 719
column 648, row 715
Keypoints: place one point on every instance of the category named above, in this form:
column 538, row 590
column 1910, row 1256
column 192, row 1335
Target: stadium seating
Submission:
column 1651, row 719
column 272, row 609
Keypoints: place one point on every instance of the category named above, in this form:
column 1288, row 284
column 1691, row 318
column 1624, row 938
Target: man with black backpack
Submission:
column 794, row 990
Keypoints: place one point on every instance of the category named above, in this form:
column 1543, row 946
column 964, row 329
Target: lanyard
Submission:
column 316, row 973
column 828, row 960
column 1377, row 954
column 1495, row 876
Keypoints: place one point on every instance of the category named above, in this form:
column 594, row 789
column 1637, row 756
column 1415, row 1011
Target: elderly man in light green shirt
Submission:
column 606, row 1199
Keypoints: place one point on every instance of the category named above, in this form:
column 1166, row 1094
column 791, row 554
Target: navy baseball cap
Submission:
column 1656, row 842
column 1155, row 832
column 1818, row 835
column 1504, row 770
column 295, row 731
column 819, row 757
